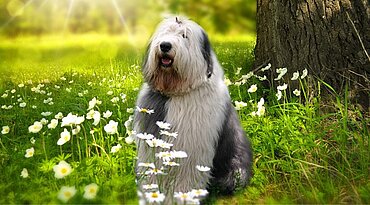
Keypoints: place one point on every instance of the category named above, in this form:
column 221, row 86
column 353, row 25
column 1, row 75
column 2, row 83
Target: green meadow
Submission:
column 307, row 149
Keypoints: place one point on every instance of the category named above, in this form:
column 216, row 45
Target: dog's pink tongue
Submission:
column 166, row 61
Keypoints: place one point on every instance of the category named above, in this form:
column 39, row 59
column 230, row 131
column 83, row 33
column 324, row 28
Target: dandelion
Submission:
column 144, row 136
column 252, row 89
column 304, row 73
column 240, row 105
column 281, row 72
column 29, row 152
column 144, row 110
column 5, row 130
column 296, row 92
column 203, row 168
column 107, row 114
column 144, row 164
column 66, row 193
column 111, row 127
column 90, row 191
column 24, row 173
column 154, row 197
column 199, row 192
column 53, row 124
column 295, row 75
column 23, row 104
column 36, row 127
column 62, row 169
column 163, row 125
column 150, row 186
column 170, row 134
column 115, row 148
column 65, row 136
column 282, row 87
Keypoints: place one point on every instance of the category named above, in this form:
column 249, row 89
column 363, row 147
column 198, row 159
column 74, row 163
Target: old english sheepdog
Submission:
column 184, row 87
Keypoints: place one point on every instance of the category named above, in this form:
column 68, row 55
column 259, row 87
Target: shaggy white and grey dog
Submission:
column 184, row 86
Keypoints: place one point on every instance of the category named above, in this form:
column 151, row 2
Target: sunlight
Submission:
column 15, row 8
column 122, row 19
column 69, row 12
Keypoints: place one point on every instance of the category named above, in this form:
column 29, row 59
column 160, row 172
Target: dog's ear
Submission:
column 206, row 52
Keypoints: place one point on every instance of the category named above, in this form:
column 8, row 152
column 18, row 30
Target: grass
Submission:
column 302, row 152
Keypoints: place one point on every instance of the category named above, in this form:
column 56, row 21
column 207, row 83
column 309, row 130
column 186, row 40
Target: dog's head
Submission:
column 179, row 57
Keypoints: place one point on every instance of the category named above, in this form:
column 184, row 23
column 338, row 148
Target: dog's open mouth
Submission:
column 166, row 61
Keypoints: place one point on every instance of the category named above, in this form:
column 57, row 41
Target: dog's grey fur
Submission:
column 190, row 94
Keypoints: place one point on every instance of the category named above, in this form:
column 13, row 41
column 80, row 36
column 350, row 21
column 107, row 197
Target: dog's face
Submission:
column 178, row 57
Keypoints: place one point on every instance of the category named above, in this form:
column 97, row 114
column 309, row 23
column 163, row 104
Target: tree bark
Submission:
column 329, row 38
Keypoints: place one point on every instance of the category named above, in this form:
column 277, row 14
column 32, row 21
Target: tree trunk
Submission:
column 329, row 38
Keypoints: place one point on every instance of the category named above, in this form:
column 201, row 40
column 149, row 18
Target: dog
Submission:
column 184, row 87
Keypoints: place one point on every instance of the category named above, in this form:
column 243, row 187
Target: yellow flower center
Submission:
column 67, row 194
column 92, row 190
column 155, row 195
column 63, row 170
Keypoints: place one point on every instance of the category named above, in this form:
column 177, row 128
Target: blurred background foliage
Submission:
column 40, row 17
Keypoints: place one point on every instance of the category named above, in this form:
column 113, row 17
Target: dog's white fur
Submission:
column 192, row 98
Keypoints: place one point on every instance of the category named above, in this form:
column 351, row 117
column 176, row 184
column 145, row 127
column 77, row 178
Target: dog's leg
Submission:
column 233, row 160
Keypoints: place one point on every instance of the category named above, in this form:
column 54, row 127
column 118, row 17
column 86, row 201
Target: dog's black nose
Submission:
column 165, row 46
